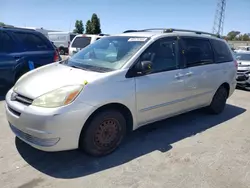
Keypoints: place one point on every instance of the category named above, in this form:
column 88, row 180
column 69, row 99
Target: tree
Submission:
column 245, row 37
column 2, row 24
column 88, row 27
column 95, row 24
column 79, row 27
column 232, row 35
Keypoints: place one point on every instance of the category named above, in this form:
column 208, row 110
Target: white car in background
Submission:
column 243, row 73
column 81, row 41
column 61, row 40
column 243, row 48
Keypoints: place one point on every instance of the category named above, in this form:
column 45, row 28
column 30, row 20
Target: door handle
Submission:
column 189, row 74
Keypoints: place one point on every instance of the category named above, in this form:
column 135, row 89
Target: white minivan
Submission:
column 118, row 84
column 61, row 40
column 81, row 41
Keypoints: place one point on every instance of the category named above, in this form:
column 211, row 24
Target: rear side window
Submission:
column 7, row 43
column 221, row 51
column 31, row 41
column 197, row 52
column 81, row 42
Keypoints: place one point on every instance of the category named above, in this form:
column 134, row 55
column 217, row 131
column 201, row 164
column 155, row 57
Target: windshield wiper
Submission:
column 76, row 67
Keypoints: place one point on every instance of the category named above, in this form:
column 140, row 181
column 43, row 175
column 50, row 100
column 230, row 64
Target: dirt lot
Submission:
column 191, row 150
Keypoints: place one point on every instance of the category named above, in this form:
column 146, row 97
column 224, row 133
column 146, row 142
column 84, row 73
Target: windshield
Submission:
column 109, row 53
column 243, row 57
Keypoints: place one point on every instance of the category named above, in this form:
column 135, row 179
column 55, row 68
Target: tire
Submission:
column 219, row 101
column 103, row 134
column 247, row 88
column 62, row 51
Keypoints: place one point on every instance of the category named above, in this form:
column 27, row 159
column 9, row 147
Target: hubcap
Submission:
column 107, row 133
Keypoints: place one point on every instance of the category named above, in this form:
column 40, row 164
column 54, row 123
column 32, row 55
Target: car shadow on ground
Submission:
column 157, row 136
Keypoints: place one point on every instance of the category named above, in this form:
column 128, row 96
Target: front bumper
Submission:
column 47, row 129
column 243, row 79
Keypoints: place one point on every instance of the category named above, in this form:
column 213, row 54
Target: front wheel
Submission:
column 219, row 101
column 104, row 133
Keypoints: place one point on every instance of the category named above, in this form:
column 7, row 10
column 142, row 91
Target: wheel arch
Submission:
column 125, row 111
column 227, row 87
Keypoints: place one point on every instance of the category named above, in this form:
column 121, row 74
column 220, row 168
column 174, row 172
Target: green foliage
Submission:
column 93, row 26
column 2, row 24
column 79, row 27
column 95, row 23
column 232, row 35
column 236, row 36
column 88, row 27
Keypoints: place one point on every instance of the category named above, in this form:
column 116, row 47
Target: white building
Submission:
column 41, row 30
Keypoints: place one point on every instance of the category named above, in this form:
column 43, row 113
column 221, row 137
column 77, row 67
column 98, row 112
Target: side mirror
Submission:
column 144, row 67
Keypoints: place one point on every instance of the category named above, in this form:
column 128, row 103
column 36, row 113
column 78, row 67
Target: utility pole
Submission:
column 219, row 17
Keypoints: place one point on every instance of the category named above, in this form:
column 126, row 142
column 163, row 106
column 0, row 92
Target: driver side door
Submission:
column 161, row 93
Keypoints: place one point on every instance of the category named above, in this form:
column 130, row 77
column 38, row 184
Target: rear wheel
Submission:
column 104, row 133
column 219, row 101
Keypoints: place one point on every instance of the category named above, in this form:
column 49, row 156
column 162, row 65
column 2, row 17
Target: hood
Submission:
column 243, row 62
column 243, row 65
column 51, row 77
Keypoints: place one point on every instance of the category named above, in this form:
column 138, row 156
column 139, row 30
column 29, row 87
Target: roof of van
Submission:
column 61, row 32
column 156, row 34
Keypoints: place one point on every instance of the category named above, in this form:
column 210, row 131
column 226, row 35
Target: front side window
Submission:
column 7, row 44
column 109, row 53
column 197, row 52
column 31, row 41
column 162, row 55
column 221, row 51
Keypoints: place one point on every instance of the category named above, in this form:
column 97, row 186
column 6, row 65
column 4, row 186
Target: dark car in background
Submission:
column 22, row 50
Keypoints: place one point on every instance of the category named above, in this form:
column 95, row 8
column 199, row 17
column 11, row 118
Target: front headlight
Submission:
column 58, row 97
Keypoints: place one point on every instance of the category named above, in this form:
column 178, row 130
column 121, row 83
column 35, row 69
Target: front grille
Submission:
column 34, row 140
column 241, row 78
column 242, row 71
column 22, row 99
column 14, row 111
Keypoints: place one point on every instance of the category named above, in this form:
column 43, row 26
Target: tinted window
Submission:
column 7, row 44
column 162, row 54
column 222, row 52
column 242, row 56
column 31, row 41
column 72, row 37
column 197, row 52
column 81, row 42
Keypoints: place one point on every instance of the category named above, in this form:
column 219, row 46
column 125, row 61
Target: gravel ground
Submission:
column 191, row 150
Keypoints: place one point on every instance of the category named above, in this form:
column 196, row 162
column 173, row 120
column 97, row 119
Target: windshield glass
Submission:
column 243, row 57
column 108, row 52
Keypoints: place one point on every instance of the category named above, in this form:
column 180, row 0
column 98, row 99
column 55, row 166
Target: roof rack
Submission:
column 103, row 34
column 171, row 30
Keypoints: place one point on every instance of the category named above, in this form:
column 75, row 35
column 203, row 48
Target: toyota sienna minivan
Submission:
column 118, row 84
